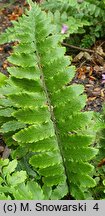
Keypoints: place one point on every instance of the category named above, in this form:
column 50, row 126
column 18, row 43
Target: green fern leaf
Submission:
column 25, row 100
column 27, row 72
column 6, row 112
column 32, row 116
column 3, row 78
column 16, row 178
column 45, row 111
column 59, row 192
column 10, row 168
column 12, row 125
column 99, row 190
column 31, row 190
column 4, row 197
column 32, row 133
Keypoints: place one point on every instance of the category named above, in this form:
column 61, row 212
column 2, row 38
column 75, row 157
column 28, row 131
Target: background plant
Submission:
column 99, row 162
column 86, row 18
column 13, row 185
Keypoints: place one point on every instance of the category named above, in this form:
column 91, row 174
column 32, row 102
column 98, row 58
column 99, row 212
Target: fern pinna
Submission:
column 41, row 112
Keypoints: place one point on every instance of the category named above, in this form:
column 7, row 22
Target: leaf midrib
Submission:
column 52, row 113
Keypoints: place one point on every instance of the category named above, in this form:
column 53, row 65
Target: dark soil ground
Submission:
column 90, row 66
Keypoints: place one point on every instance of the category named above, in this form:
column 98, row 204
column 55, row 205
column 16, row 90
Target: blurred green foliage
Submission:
column 85, row 18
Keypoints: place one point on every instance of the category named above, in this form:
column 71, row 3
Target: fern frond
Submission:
column 13, row 182
column 45, row 113
column 99, row 162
